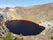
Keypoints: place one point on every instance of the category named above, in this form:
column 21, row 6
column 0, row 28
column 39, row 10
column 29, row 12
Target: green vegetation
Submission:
column 10, row 36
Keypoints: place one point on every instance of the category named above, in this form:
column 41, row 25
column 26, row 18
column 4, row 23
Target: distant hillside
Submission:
column 34, row 13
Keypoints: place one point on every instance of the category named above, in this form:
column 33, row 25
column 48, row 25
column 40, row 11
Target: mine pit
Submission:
column 24, row 27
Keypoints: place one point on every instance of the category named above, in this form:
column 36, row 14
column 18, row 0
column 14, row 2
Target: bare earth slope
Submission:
column 34, row 13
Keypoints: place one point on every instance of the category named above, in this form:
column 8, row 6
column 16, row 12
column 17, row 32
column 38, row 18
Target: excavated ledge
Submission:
column 24, row 27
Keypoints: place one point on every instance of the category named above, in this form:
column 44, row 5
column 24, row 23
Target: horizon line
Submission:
column 12, row 6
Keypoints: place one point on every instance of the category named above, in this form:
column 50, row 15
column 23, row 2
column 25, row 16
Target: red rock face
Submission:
column 24, row 27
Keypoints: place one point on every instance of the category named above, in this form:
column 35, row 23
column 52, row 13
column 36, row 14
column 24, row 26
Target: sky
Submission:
column 23, row 3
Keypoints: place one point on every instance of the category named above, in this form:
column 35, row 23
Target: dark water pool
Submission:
column 24, row 27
